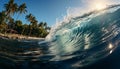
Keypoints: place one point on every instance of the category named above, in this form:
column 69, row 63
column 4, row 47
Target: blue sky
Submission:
column 49, row 10
column 45, row 10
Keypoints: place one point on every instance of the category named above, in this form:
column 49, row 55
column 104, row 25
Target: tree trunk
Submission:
column 30, row 31
column 22, row 31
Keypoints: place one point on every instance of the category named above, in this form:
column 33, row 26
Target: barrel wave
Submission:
column 86, row 38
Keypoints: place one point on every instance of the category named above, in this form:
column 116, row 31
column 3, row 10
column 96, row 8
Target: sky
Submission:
column 50, row 10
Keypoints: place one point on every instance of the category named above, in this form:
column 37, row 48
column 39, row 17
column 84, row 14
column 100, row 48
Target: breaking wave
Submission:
column 86, row 38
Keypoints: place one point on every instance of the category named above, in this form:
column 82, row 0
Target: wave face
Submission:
column 86, row 38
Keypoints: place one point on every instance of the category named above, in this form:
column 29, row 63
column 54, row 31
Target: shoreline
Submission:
column 19, row 37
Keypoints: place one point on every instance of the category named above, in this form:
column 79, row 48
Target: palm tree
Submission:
column 10, row 8
column 34, row 22
column 48, row 29
column 11, row 23
column 3, row 24
column 25, row 26
column 40, row 24
column 22, row 9
column 2, row 17
column 45, row 24
column 18, row 26
column 29, row 18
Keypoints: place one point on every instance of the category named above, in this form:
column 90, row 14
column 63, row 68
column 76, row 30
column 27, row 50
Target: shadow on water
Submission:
column 30, row 55
column 19, row 54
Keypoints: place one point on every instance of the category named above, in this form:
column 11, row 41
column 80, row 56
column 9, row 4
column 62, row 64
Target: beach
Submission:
column 19, row 37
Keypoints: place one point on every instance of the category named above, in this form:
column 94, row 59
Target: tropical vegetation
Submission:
column 10, row 24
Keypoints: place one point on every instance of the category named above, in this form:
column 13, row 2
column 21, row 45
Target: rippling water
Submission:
column 90, row 41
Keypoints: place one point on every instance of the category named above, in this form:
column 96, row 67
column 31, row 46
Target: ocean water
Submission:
column 90, row 41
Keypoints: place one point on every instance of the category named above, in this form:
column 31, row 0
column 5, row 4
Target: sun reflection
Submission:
column 99, row 6
column 110, row 46
column 111, row 51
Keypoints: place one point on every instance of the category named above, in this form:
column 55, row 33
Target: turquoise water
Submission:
column 91, row 37
column 90, row 41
